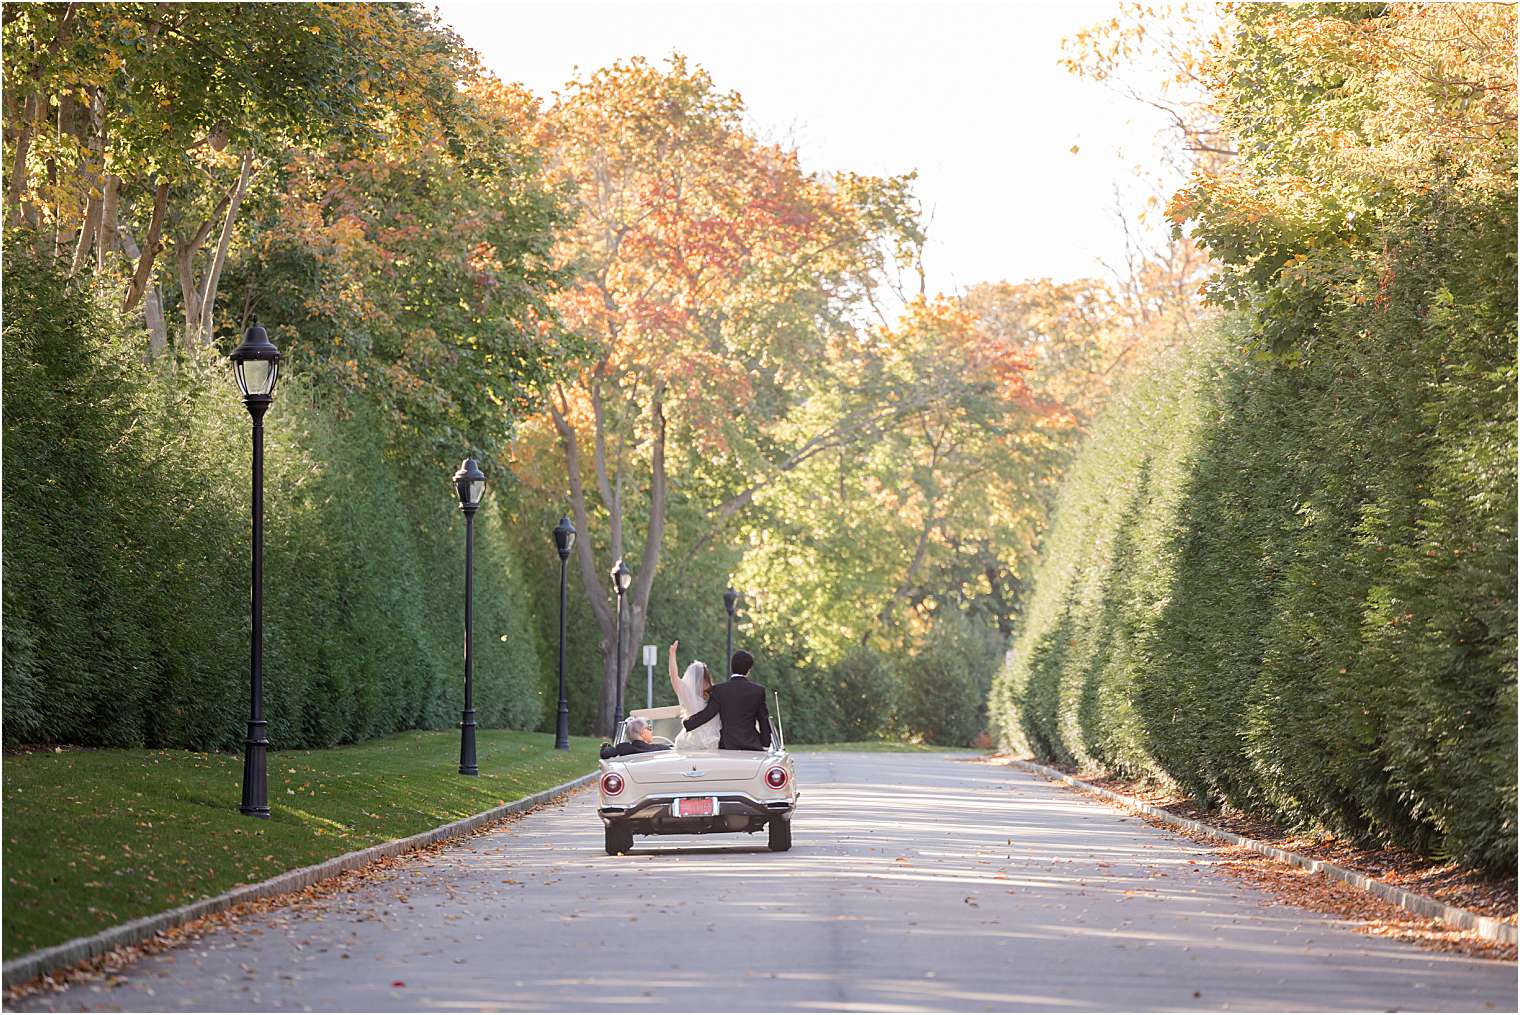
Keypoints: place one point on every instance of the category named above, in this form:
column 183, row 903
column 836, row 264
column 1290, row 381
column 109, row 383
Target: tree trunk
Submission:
column 189, row 292
column 636, row 599
column 606, row 713
column 87, row 231
column 585, row 555
column 200, row 296
column 635, row 619
column 91, row 171
column 150, row 250
column 158, row 328
column 153, row 308
column 601, row 599
column 105, row 236
column 23, row 147
column 214, row 273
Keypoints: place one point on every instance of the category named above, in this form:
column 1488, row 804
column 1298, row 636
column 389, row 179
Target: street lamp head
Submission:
column 564, row 537
column 256, row 364
column 730, row 600
column 621, row 576
column 470, row 483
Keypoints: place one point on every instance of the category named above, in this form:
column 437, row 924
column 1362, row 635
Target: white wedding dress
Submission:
column 689, row 691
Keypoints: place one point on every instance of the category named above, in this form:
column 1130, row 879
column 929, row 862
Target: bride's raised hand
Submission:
column 674, row 677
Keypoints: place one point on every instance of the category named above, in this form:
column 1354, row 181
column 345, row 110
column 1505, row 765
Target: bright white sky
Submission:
column 971, row 95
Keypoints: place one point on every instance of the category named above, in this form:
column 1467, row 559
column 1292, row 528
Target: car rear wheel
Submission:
column 780, row 834
column 619, row 838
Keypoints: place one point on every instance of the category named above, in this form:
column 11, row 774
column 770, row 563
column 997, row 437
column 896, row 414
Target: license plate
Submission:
column 696, row 807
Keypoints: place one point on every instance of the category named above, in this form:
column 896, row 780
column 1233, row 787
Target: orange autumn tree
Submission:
column 712, row 275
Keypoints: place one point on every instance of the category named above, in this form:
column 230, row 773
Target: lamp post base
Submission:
column 562, row 728
column 467, row 765
column 255, row 770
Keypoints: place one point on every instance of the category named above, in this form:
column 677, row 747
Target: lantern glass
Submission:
column 256, row 376
column 469, row 491
column 624, row 578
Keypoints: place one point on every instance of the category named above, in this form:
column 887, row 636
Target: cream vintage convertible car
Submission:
column 695, row 792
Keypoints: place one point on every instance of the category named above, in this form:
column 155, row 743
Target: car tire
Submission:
column 619, row 838
column 780, row 830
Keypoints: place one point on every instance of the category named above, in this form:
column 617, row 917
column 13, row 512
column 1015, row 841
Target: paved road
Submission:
column 917, row 883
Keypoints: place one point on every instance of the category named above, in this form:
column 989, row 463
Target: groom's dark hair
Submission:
column 742, row 662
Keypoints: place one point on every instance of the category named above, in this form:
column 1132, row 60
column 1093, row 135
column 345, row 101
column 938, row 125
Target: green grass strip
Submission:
column 95, row 838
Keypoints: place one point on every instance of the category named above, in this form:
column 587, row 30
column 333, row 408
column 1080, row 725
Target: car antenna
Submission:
column 780, row 733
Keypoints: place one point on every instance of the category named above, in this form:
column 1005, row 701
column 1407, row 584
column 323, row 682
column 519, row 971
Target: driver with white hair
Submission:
column 640, row 739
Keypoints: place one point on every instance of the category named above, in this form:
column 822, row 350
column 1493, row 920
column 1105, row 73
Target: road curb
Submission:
column 80, row 949
column 1484, row 926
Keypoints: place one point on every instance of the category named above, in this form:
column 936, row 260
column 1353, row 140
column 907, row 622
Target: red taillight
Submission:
column 612, row 784
column 775, row 778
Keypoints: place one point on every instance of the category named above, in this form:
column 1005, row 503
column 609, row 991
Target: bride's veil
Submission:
column 692, row 681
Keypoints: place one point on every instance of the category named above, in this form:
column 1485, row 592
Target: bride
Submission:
column 692, row 689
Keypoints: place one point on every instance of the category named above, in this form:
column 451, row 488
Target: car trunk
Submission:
column 697, row 768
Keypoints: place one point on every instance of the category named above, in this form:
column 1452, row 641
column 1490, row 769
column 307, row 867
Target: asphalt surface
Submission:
column 916, row 883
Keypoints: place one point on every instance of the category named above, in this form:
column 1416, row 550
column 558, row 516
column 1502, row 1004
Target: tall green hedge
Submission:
column 126, row 554
column 1291, row 587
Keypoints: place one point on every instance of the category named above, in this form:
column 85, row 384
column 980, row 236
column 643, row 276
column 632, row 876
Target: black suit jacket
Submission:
column 740, row 703
column 631, row 747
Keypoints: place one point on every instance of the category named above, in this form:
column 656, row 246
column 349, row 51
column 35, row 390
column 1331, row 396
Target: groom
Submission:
column 740, row 703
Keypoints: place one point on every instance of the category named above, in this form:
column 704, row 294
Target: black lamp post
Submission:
column 564, row 539
column 256, row 366
column 730, row 601
column 621, row 579
column 470, row 483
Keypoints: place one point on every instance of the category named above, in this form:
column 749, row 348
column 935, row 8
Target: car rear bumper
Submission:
column 737, row 812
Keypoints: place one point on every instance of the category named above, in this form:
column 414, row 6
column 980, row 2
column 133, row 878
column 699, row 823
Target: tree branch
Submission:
column 150, row 248
column 105, row 236
column 213, row 276
column 591, row 581
column 599, row 460
column 654, row 533
column 843, row 434
column 153, row 308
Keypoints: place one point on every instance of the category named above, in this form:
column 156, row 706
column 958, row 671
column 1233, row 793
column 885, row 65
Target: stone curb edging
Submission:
column 1484, row 926
column 70, row 953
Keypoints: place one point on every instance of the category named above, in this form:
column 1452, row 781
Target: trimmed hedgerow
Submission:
column 1290, row 586
column 126, row 554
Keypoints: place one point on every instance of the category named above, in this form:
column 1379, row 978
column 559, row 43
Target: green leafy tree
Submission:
column 137, row 127
column 416, row 274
